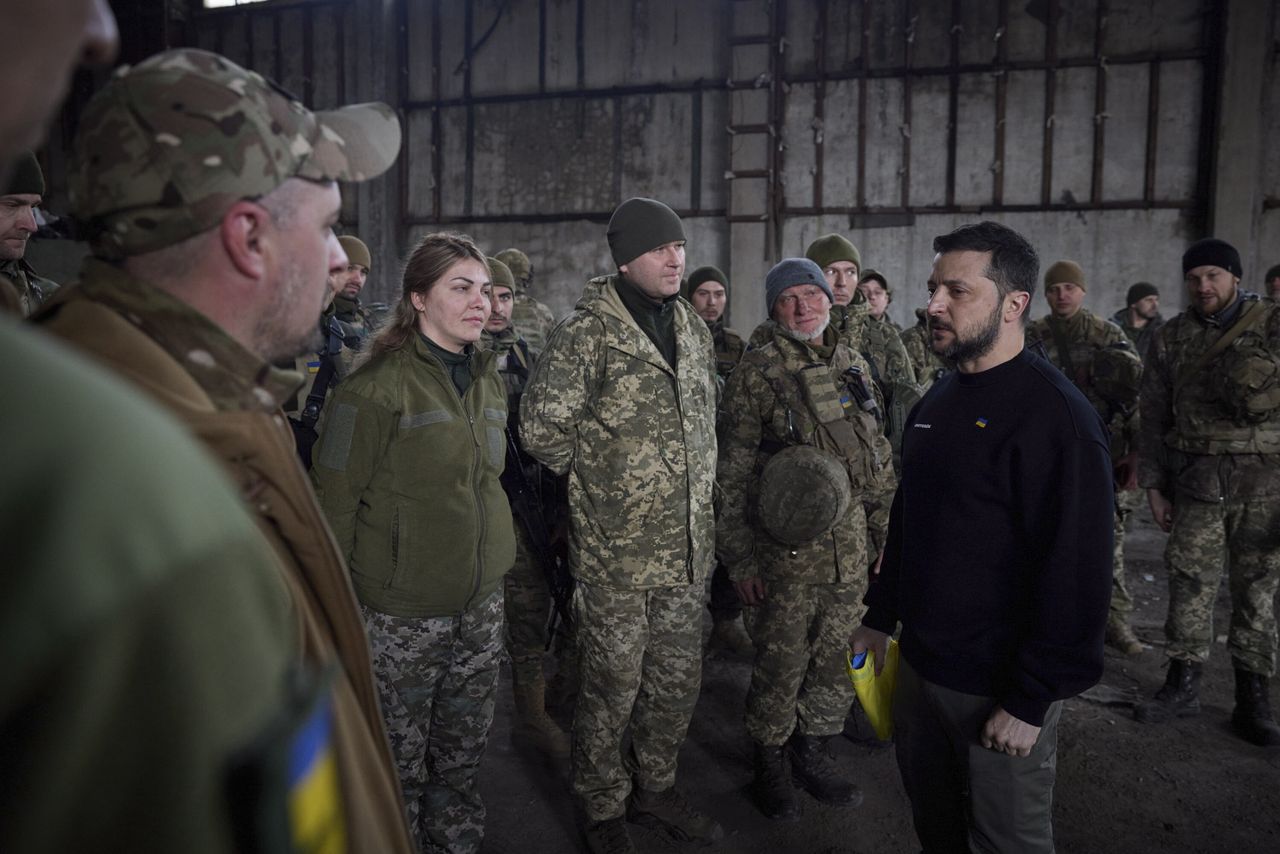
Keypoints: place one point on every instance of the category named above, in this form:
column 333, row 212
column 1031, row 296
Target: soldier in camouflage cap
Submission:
column 801, row 391
column 532, row 320
column 18, row 203
column 209, row 197
column 1209, row 457
column 1100, row 360
column 623, row 399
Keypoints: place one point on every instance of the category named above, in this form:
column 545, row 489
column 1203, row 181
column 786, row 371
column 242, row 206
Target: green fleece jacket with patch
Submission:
column 407, row 472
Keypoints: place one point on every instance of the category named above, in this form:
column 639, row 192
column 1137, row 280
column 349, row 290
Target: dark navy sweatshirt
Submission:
column 998, row 561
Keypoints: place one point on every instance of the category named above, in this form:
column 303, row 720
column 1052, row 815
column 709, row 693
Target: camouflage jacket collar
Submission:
column 16, row 268
column 234, row 378
column 796, row 354
column 600, row 297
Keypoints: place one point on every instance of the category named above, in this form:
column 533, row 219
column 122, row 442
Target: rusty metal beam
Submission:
column 1099, row 103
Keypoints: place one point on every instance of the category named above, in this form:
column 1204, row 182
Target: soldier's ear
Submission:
column 622, row 268
column 241, row 233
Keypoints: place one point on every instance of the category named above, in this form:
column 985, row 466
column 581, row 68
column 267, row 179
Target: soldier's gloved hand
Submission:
column 751, row 590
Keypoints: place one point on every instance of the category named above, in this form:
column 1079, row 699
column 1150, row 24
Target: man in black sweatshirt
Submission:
column 998, row 561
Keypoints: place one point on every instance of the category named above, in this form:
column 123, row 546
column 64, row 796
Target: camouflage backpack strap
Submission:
column 1064, row 350
column 1250, row 316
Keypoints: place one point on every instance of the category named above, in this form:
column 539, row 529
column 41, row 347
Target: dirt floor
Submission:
column 1190, row 786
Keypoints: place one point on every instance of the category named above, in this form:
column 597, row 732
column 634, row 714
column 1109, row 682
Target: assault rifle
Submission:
column 526, row 506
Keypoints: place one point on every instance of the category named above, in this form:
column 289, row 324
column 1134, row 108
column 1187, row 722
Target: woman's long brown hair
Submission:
column 429, row 261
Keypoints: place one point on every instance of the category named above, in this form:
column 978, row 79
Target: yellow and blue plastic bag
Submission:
column 875, row 693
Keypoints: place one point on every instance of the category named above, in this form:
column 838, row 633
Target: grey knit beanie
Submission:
column 790, row 272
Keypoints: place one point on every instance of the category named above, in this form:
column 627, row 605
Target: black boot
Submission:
column 1252, row 719
column 772, row 787
column 815, row 770
column 1178, row 698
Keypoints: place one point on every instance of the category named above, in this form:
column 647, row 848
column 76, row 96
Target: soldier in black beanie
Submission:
column 23, row 290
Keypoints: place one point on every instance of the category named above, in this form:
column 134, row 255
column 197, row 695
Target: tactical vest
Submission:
column 1231, row 405
column 823, row 408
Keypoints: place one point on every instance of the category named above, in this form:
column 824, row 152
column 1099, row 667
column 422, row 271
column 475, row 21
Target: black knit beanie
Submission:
column 1140, row 290
column 639, row 225
column 1213, row 251
column 27, row 179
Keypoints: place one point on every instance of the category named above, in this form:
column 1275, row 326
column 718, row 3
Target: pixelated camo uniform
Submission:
column 437, row 679
column 1210, row 441
column 637, row 440
column 813, row 592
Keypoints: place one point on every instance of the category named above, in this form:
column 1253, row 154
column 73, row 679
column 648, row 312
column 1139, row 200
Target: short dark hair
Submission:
column 1014, row 264
column 1273, row 273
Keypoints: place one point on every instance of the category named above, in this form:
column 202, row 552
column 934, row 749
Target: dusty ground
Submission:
column 1122, row 787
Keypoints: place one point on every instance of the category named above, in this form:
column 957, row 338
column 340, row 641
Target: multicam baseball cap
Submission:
column 168, row 145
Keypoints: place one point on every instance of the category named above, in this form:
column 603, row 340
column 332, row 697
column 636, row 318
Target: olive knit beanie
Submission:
column 830, row 248
column 1065, row 271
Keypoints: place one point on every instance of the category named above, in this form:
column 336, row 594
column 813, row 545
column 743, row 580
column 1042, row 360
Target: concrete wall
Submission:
column 1108, row 131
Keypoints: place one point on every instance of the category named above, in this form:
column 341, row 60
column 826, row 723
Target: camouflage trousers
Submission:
column 640, row 660
column 799, row 683
column 1121, row 599
column 1246, row 533
column 436, row 680
column 528, row 608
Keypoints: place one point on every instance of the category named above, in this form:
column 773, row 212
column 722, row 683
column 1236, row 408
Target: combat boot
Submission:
column 669, row 811
column 1120, row 636
column 814, row 769
column 1179, row 697
column 729, row 634
column 534, row 724
column 772, row 788
column 1252, row 719
column 608, row 837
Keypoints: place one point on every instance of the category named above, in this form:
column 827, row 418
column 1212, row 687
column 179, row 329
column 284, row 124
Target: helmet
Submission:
column 804, row 491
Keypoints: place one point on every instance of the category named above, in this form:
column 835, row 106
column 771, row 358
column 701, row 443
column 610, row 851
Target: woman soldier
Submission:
column 407, row 471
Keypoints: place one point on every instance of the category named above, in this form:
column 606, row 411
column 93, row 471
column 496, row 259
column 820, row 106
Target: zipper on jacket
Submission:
column 476, row 467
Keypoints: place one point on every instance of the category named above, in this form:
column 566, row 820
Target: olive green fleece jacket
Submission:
column 407, row 473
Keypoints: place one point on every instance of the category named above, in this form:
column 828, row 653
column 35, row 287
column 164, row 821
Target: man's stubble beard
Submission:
column 277, row 324
column 977, row 346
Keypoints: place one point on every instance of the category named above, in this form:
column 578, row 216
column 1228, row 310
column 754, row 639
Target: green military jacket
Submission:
column 1193, row 440
column 407, row 472
column 928, row 365
column 230, row 400
column 1075, row 346
column 636, row 437
column 532, row 320
column 30, row 290
column 754, row 426
column 146, row 635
